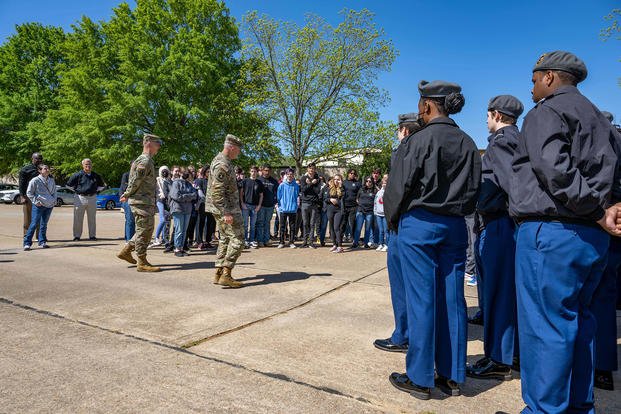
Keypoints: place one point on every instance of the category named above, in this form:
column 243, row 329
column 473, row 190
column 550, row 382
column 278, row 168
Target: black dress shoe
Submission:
column 476, row 319
column 603, row 380
column 388, row 345
column 486, row 368
column 516, row 364
column 447, row 386
column 403, row 383
column 92, row 238
column 76, row 239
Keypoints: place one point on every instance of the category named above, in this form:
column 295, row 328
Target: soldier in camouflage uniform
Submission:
column 222, row 200
column 141, row 194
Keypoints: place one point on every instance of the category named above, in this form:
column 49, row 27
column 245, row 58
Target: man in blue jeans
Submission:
column 565, row 170
column 251, row 199
column 130, row 224
column 270, row 191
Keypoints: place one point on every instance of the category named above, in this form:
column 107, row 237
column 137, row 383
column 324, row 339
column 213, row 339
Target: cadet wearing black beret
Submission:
column 563, row 61
column 433, row 183
column 506, row 104
column 563, row 178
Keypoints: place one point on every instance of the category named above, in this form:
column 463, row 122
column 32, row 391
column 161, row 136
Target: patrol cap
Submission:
column 563, row 61
column 151, row 138
column 437, row 88
column 506, row 104
column 411, row 117
column 608, row 116
column 232, row 140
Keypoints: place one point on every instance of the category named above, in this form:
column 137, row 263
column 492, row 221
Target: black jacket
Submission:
column 496, row 172
column 27, row 173
column 438, row 169
column 565, row 164
column 309, row 193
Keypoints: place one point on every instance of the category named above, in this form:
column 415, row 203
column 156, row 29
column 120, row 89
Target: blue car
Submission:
column 108, row 199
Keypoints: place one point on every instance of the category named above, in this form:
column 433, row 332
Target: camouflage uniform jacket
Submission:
column 141, row 186
column 222, row 193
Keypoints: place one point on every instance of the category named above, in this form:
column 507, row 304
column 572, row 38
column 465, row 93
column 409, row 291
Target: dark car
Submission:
column 108, row 199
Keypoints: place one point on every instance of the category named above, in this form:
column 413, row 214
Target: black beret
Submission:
column 437, row 88
column 563, row 61
column 507, row 104
column 608, row 116
column 411, row 117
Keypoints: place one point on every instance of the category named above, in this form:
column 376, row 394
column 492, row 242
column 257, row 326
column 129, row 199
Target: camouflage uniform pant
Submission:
column 231, row 241
column 144, row 230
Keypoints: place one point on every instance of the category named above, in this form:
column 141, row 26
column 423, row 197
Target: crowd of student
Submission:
column 304, row 210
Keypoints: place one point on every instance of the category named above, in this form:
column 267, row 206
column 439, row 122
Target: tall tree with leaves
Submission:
column 28, row 89
column 319, row 81
column 167, row 67
column 614, row 30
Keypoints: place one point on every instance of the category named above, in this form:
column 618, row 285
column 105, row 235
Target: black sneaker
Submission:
column 477, row 319
column 486, row 368
column 603, row 380
column 447, row 386
column 403, row 383
column 169, row 250
column 92, row 238
column 76, row 239
column 388, row 345
column 516, row 364
column 179, row 254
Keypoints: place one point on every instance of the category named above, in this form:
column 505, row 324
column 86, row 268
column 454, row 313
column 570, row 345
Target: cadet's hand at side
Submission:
column 228, row 218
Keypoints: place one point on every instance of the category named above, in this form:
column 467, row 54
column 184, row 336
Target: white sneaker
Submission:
column 292, row 246
column 385, row 248
column 247, row 245
column 280, row 246
column 379, row 248
column 26, row 247
column 254, row 245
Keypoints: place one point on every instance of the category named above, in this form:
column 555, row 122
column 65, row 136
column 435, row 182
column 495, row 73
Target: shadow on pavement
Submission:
column 190, row 265
column 7, row 261
column 8, row 252
column 281, row 277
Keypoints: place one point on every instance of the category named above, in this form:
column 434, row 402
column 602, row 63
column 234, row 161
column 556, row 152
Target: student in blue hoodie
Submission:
column 288, row 203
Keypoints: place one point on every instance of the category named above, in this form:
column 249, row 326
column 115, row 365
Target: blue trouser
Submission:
column 432, row 251
column 40, row 217
column 323, row 226
column 130, row 223
column 159, row 231
column 367, row 220
column 495, row 251
column 558, row 267
column 397, row 292
column 382, row 230
column 182, row 220
column 603, row 307
column 264, row 217
column 250, row 223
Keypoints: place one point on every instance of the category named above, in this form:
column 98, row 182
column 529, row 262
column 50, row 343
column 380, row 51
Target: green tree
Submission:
column 614, row 30
column 318, row 81
column 168, row 67
column 28, row 89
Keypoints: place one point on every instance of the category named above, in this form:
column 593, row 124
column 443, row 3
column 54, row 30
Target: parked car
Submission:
column 64, row 195
column 9, row 193
column 108, row 199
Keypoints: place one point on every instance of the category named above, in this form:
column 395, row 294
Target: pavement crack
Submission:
column 181, row 349
column 281, row 312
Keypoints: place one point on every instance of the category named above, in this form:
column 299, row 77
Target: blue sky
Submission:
column 488, row 47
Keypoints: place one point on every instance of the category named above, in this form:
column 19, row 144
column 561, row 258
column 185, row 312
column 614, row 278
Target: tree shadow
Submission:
column 281, row 277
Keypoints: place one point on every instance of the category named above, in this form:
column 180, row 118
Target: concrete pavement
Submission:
column 82, row 331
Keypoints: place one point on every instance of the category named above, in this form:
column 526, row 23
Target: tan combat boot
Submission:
column 126, row 254
column 216, row 277
column 144, row 266
column 227, row 280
